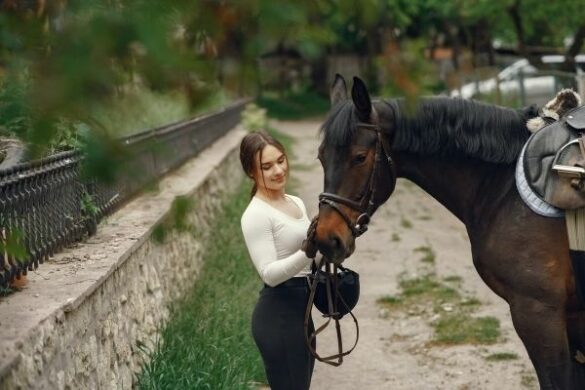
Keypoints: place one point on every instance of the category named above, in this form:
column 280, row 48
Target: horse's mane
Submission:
column 340, row 125
column 448, row 127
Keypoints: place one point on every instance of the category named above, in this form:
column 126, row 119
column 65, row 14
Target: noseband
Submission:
column 366, row 204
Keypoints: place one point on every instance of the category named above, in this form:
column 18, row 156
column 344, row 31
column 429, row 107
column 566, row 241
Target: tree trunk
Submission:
column 575, row 48
column 319, row 75
column 515, row 13
column 453, row 34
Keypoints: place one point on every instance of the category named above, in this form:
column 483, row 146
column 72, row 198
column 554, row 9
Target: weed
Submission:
column 461, row 328
column 389, row 300
column 5, row 291
column 528, row 381
column 405, row 223
column 428, row 254
column 453, row 323
column 501, row 356
column 428, row 287
column 470, row 302
column 206, row 343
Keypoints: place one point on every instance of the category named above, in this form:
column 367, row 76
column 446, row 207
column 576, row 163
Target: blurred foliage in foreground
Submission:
column 73, row 69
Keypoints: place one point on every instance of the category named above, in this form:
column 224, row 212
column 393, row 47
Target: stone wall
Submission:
column 85, row 317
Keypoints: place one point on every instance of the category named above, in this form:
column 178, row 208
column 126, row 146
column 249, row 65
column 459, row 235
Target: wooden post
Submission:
column 498, row 90
column 580, row 76
column 521, row 89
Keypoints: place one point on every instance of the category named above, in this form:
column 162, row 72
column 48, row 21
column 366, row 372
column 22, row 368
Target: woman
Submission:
column 274, row 226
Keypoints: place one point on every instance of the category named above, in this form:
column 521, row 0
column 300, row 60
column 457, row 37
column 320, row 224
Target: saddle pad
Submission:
column 532, row 200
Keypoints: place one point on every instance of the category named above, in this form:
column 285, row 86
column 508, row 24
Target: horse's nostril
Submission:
column 335, row 242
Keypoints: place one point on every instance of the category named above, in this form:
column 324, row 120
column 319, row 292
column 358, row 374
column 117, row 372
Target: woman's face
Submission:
column 272, row 171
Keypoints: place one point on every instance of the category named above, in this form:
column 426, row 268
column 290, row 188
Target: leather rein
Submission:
column 366, row 204
column 332, row 304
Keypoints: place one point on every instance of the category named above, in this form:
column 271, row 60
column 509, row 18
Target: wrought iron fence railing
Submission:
column 45, row 205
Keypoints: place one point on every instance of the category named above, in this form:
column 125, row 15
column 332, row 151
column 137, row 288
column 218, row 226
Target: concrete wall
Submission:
column 79, row 320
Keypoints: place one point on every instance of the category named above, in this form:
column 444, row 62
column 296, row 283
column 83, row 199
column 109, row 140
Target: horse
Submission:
column 463, row 154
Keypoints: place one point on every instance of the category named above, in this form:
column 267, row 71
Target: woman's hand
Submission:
column 309, row 246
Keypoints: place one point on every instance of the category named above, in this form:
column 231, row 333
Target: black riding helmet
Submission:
column 344, row 298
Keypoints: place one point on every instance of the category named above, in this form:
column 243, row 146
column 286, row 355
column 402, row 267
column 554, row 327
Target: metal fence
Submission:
column 45, row 205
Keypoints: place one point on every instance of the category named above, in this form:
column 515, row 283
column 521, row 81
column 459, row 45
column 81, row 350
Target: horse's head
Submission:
column 359, row 173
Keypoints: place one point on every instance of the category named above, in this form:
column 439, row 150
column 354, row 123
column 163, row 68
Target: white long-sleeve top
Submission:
column 274, row 240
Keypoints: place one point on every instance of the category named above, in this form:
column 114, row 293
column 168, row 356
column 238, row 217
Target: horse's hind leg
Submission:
column 576, row 333
column 543, row 331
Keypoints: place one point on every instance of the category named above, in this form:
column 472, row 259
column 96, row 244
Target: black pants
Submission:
column 279, row 333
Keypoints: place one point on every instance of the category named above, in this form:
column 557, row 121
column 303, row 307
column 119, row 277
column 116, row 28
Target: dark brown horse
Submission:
column 463, row 154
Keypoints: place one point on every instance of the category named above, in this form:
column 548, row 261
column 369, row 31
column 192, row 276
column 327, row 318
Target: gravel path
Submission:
column 394, row 350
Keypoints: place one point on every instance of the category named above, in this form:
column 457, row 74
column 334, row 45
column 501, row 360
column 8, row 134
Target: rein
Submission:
column 366, row 204
column 332, row 298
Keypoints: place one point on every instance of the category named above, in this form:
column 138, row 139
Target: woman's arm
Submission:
column 259, row 239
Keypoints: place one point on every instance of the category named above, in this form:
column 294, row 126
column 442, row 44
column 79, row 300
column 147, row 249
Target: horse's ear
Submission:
column 361, row 99
column 338, row 90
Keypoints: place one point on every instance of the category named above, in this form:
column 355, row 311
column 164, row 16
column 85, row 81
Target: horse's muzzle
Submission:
column 334, row 246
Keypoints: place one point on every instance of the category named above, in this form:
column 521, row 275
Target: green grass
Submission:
column 207, row 342
column 501, row 356
column 452, row 322
column 529, row 380
column 294, row 106
column 5, row 291
column 390, row 300
column 143, row 109
column 425, row 290
column 428, row 287
column 405, row 223
column 453, row 279
column 427, row 252
column 461, row 328
column 470, row 302
column 395, row 237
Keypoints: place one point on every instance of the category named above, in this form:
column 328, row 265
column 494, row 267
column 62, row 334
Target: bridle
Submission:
column 366, row 205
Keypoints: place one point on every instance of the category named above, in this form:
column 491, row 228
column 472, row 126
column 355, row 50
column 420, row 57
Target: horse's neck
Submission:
column 470, row 190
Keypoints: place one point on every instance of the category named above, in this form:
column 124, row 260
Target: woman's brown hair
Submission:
column 253, row 143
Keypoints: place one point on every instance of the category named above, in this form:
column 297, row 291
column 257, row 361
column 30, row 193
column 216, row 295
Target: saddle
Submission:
column 554, row 161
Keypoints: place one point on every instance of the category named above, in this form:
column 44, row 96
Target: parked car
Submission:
column 519, row 79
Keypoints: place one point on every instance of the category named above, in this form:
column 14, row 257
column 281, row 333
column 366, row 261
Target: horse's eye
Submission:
column 360, row 158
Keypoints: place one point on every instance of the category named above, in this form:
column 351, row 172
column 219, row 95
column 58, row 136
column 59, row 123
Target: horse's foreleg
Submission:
column 542, row 329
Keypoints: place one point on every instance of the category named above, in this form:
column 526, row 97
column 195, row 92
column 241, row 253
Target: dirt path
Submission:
column 394, row 350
